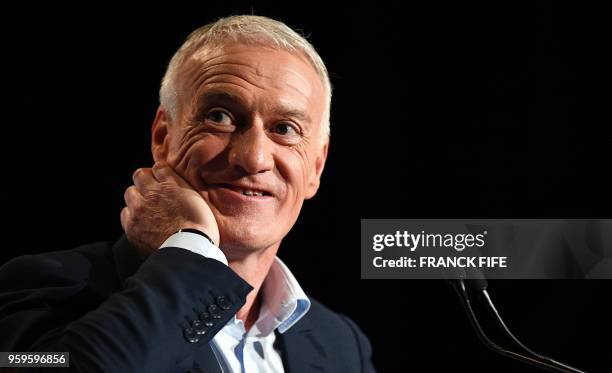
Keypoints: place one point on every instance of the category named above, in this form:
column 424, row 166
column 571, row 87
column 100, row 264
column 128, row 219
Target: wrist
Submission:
column 198, row 232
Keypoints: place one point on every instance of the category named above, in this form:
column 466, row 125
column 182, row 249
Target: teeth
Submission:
column 252, row 193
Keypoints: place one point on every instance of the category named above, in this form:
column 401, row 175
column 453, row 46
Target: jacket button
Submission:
column 214, row 311
column 206, row 319
column 199, row 327
column 223, row 302
column 191, row 335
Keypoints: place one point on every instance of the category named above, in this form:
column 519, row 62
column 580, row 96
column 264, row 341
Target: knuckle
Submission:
column 152, row 196
column 167, row 187
column 137, row 173
column 128, row 195
column 124, row 216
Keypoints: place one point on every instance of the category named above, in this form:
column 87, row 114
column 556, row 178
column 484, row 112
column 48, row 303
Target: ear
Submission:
column 315, row 178
column 159, row 135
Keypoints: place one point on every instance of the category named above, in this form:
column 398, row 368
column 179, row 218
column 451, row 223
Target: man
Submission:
column 239, row 141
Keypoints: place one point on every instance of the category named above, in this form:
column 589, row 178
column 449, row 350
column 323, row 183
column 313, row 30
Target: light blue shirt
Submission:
column 283, row 303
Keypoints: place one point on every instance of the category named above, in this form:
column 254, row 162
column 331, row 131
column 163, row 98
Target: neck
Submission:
column 253, row 268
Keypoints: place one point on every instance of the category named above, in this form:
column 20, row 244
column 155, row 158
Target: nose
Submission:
column 251, row 150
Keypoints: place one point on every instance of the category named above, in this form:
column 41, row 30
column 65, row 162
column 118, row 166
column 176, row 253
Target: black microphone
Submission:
column 478, row 284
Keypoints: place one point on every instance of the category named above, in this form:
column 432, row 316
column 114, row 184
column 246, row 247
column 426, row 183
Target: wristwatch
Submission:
column 196, row 231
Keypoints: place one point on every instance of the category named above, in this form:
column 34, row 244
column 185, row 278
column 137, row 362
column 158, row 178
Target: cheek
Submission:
column 293, row 166
column 190, row 156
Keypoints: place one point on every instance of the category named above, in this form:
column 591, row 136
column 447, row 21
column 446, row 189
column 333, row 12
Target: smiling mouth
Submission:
column 245, row 191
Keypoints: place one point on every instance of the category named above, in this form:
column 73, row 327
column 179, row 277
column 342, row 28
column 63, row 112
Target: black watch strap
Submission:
column 196, row 231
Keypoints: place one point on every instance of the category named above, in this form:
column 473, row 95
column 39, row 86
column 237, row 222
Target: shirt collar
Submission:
column 283, row 302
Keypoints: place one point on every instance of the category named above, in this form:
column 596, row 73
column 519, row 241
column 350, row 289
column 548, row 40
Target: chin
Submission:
column 247, row 237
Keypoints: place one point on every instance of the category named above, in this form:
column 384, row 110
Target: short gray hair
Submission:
column 246, row 29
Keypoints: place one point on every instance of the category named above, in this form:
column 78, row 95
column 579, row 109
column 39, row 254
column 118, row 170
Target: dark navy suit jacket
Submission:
column 115, row 312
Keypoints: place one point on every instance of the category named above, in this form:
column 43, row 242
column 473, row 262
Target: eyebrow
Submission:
column 298, row 114
column 222, row 96
column 230, row 98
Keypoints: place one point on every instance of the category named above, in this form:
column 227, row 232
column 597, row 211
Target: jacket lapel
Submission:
column 301, row 350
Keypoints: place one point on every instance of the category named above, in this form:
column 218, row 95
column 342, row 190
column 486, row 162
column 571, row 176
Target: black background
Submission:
column 439, row 111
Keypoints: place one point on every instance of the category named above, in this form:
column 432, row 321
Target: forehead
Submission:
column 254, row 71
column 260, row 61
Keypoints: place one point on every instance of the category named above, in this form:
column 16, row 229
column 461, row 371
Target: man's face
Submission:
column 248, row 137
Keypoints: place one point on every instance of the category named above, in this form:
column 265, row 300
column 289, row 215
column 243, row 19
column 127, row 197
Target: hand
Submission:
column 160, row 203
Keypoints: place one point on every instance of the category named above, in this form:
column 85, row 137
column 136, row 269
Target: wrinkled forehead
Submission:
column 259, row 65
column 257, row 60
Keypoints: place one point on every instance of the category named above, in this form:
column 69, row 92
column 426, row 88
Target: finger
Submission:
column 125, row 218
column 143, row 179
column 164, row 172
column 132, row 197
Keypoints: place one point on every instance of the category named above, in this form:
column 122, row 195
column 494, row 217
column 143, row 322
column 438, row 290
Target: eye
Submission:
column 219, row 116
column 285, row 129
